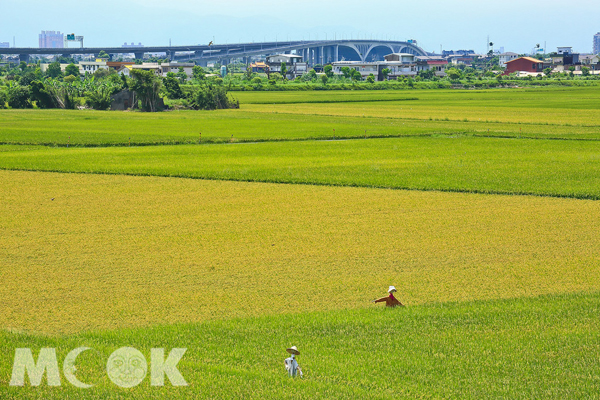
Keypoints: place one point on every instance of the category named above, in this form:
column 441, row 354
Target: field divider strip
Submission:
column 220, row 141
column 331, row 101
column 428, row 119
column 308, row 183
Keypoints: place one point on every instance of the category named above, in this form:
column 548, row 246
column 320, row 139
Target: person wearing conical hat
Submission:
column 390, row 301
column 291, row 365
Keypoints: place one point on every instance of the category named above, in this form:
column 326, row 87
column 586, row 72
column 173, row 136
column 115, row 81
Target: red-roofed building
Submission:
column 436, row 64
column 524, row 64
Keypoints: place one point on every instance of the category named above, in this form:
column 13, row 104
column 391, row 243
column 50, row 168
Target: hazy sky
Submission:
column 515, row 25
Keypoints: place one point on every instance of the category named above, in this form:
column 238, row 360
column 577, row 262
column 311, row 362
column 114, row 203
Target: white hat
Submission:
column 293, row 350
column 392, row 289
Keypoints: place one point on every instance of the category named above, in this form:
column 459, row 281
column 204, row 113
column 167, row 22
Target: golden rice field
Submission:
column 572, row 107
column 87, row 252
column 416, row 110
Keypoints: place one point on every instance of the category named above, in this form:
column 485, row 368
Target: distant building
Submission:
column 154, row 67
column 4, row 45
column 404, row 58
column 571, row 59
column 590, row 60
column 597, row 43
column 447, row 53
column 51, row 40
column 165, row 68
column 436, row 63
column 293, row 63
column 506, row 57
column 89, row 67
column 524, row 64
column 365, row 68
column 461, row 59
column 132, row 45
column 564, row 50
column 117, row 65
column 397, row 64
column 63, row 66
column 159, row 69
column 258, row 66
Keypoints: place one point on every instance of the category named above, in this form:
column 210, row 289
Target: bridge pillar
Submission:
column 336, row 57
column 322, row 55
column 24, row 57
column 139, row 55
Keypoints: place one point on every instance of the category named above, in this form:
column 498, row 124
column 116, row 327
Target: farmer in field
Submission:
column 291, row 365
column 390, row 301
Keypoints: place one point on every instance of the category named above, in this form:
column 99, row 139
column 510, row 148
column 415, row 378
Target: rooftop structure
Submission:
column 286, row 58
column 446, row 53
column 400, row 57
column 564, row 50
column 505, row 57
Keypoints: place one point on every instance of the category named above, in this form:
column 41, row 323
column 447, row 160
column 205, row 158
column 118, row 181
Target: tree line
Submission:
column 26, row 86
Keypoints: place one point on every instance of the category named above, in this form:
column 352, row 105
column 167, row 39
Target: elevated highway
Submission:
column 315, row 51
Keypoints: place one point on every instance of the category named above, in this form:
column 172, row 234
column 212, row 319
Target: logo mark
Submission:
column 126, row 367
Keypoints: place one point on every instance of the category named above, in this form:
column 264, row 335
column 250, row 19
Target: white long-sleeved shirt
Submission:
column 292, row 367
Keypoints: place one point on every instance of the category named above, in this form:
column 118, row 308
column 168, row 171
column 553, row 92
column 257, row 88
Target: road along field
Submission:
column 494, row 249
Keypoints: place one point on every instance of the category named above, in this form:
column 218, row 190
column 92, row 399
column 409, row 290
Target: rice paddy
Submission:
column 286, row 240
column 462, row 164
column 543, row 113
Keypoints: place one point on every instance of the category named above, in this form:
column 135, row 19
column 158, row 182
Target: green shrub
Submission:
column 98, row 99
column 41, row 95
column 211, row 97
column 18, row 97
column 3, row 99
